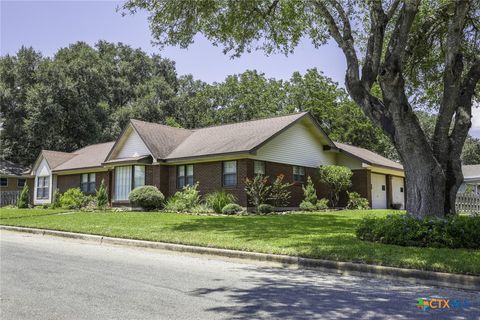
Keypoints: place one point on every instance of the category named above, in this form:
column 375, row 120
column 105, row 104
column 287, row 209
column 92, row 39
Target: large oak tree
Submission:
column 422, row 54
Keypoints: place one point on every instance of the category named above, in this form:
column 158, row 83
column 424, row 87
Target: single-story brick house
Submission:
column 217, row 157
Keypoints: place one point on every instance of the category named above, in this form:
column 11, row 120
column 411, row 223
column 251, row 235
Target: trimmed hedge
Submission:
column 265, row 208
column 404, row 230
column 147, row 197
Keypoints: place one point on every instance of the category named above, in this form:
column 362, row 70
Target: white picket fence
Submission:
column 468, row 202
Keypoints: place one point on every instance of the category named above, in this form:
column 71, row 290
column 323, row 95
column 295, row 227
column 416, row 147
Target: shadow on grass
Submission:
column 294, row 294
column 328, row 236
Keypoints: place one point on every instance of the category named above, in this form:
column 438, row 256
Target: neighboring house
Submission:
column 218, row 157
column 13, row 178
column 471, row 178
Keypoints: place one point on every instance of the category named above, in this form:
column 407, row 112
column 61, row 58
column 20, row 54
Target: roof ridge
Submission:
column 91, row 145
column 252, row 120
column 161, row 124
column 224, row 124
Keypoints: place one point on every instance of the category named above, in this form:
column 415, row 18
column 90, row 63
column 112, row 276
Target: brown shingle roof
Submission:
column 231, row 138
column 160, row 139
column 56, row 158
column 368, row 156
column 87, row 157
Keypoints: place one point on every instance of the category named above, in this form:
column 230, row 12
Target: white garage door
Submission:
column 398, row 191
column 379, row 191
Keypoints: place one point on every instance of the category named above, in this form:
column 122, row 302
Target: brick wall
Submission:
column 69, row 181
column 209, row 176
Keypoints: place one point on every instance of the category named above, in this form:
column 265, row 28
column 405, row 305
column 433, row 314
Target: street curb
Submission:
column 415, row 276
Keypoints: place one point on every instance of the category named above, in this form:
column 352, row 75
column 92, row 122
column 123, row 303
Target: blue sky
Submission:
column 50, row 25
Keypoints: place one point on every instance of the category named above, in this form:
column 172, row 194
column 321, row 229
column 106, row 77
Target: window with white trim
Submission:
column 298, row 174
column 43, row 187
column 123, row 182
column 184, row 175
column 138, row 176
column 3, row 182
column 258, row 167
column 229, row 173
column 87, row 182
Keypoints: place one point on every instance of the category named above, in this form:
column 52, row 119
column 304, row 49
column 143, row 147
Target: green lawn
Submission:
column 328, row 235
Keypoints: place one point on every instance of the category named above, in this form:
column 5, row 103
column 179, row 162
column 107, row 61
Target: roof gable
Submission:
column 242, row 137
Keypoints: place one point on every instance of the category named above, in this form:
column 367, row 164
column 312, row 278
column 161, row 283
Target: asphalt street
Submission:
column 53, row 278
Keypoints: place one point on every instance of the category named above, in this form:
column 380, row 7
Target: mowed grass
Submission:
column 325, row 235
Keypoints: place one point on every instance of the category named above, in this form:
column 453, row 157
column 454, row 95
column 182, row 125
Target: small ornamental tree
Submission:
column 257, row 190
column 310, row 196
column 309, row 192
column 22, row 202
column 279, row 194
column 102, row 196
column 337, row 178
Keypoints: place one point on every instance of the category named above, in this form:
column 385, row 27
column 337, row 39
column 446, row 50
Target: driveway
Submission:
column 55, row 278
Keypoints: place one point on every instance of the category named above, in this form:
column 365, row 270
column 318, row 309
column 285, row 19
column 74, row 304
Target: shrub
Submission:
column 356, row 202
column 147, row 197
column 232, row 208
column 102, row 196
column 404, row 230
column 322, row 204
column 279, row 194
column 309, row 192
column 218, row 200
column 265, row 208
column 307, row 206
column 201, row 208
column 338, row 178
column 185, row 200
column 72, row 199
column 257, row 190
column 56, row 199
column 309, row 202
column 22, row 202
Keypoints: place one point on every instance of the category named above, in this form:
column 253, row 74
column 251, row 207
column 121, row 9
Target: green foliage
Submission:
column 73, row 199
column 185, row 200
column 279, row 193
column 471, row 151
column 322, row 204
column 147, row 197
column 218, row 200
column 232, row 208
column 404, row 230
column 102, row 196
column 337, row 178
column 56, row 199
column 356, row 202
column 265, row 208
column 257, row 190
column 309, row 192
column 201, row 208
column 23, row 202
column 307, row 206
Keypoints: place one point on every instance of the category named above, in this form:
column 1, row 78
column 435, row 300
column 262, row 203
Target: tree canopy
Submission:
column 402, row 56
column 44, row 100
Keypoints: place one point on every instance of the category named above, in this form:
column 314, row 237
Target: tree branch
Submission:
column 378, row 22
column 463, row 114
column 451, row 79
